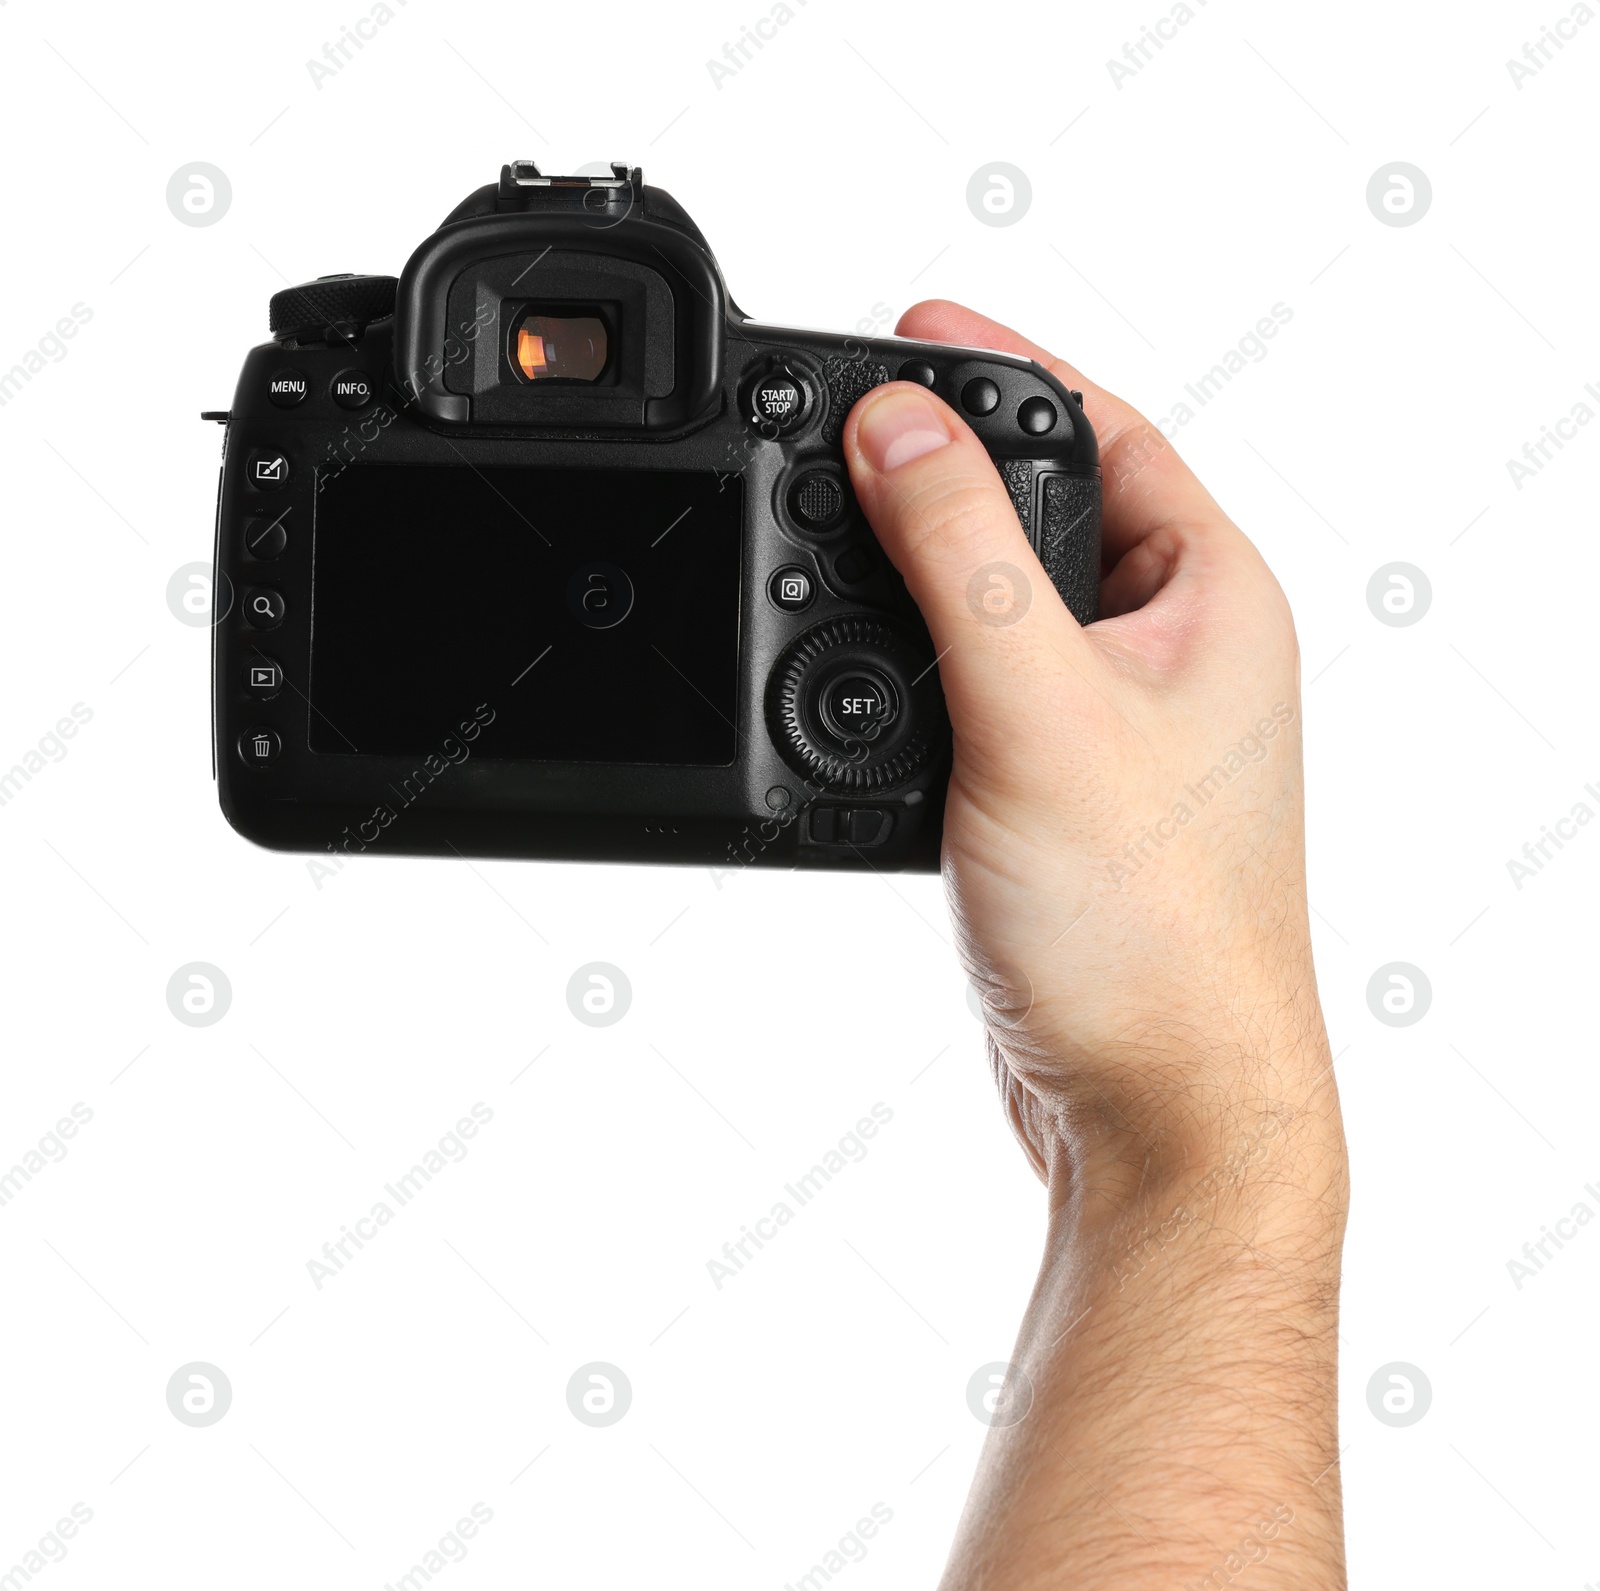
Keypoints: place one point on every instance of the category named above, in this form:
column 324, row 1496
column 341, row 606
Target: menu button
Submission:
column 288, row 388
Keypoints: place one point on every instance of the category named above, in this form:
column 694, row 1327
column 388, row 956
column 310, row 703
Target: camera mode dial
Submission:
column 855, row 704
column 347, row 303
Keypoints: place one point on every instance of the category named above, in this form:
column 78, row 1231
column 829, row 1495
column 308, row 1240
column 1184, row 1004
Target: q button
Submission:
column 600, row 595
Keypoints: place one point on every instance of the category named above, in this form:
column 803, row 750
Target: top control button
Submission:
column 352, row 389
column 778, row 401
column 1036, row 415
column 980, row 396
column 919, row 371
column 287, row 388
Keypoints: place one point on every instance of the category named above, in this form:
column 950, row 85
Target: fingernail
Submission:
column 899, row 426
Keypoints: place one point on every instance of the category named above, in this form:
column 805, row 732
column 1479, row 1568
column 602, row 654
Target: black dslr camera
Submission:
column 545, row 550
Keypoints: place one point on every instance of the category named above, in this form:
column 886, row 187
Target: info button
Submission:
column 353, row 389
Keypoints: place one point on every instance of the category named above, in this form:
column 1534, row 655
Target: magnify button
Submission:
column 263, row 608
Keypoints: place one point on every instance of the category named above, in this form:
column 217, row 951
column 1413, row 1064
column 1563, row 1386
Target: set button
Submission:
column 858, row 703
column 919, row 371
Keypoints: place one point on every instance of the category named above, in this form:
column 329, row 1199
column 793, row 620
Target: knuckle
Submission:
column 957, row 516
column 1131, row 450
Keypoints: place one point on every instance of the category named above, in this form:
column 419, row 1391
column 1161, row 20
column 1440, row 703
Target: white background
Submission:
column 829, row 173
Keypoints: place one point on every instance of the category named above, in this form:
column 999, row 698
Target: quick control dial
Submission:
column 856, row 704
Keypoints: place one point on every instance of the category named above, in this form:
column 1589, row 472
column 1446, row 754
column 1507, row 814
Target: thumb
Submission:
column 937, row 505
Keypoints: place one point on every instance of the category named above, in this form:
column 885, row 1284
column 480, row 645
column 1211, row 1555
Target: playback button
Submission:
column 263, row 677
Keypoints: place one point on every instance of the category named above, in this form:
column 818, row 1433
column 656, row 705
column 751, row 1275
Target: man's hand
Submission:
column 1124, row 858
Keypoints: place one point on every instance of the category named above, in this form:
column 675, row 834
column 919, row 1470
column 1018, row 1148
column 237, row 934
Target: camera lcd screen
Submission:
column 593, row 613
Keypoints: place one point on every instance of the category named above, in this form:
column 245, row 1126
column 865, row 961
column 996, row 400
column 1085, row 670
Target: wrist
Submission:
column 1133, row 1144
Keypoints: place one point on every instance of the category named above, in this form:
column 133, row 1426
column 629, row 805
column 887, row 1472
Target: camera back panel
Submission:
column 572, row 582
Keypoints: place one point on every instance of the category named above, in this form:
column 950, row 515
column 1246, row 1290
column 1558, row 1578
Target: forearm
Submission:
column 1124, row 854
column 1180, row 1352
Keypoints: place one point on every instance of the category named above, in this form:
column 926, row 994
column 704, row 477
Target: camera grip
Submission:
column 1068, row 516
column 1061, row 514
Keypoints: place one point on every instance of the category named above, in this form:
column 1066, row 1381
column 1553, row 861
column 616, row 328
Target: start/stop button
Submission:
column 778, row 402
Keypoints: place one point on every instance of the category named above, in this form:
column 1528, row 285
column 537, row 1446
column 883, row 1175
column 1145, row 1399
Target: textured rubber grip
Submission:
column 1069, row 540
